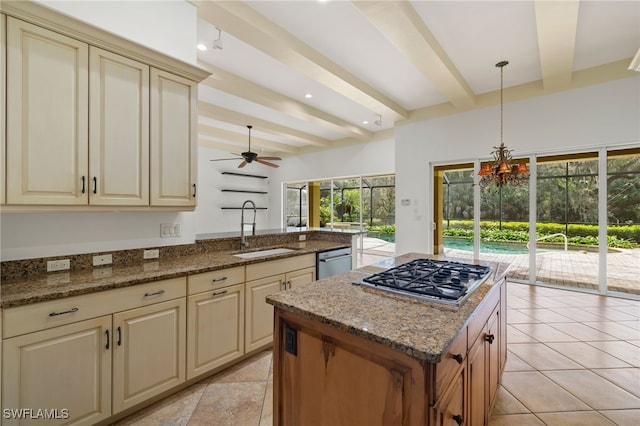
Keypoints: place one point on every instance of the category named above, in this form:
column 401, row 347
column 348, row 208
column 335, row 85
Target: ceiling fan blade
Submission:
column 224, row 159
column 244, row 163
column 266, row 163
column 270, row 158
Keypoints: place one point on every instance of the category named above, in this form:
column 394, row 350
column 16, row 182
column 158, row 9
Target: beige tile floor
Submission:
column 573, row 359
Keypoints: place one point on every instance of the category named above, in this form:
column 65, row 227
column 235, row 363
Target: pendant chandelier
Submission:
column 501, row 171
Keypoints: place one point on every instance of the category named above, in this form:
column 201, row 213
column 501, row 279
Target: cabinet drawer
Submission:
column 280, row 266
column 450, row 363
column 215, row 279
column 40, row 316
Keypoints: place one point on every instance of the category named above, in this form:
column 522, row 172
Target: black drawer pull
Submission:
column 489, row 338
column 155, row 293
column 119, row 336
column 194, row 190
column 217, row 280
column 458, row 419
column 218, row 293
column 107, row 333
column 458, row 358
column 83, row 184
column 95, row 185
column 70, row 311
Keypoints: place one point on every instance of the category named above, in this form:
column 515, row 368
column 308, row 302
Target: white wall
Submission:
column 376, row 157
column 168, row 26
column 596, row 116
column 209, row 216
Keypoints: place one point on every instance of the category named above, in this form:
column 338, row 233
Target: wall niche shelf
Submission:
column 244, row 191
column 244, row 175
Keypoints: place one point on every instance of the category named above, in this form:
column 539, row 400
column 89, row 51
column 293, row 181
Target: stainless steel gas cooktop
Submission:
column 434, row 280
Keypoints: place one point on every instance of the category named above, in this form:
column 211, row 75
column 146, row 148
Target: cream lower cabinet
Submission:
column 148, row 352
column 85, row 358
column 66, row 370
column 268, row 278
column 215, row 319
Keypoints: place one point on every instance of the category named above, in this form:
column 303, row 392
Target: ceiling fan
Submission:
column 249, row 157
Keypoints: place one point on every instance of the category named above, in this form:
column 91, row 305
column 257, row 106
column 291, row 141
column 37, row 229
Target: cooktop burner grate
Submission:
column 445, row 281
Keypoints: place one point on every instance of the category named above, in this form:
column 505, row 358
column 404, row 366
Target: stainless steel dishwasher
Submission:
column 333, row 262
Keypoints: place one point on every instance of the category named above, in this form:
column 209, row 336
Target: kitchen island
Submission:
column 346, row 354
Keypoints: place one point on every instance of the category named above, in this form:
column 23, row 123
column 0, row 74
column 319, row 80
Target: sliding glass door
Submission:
column 586, row 209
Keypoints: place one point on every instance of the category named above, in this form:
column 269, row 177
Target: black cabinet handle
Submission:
column 218, row 293
column 155, row 293
column 119, row 336
column 194, row 190
column 458, row 358
column 82, row 184
column 458, row 419
column 95, row 185
column 107, row 333
column 217, row 280
column 70, row 311
column 489, row 338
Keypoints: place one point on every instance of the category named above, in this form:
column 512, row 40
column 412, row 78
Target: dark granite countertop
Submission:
column 421, row 329
column 57, row 285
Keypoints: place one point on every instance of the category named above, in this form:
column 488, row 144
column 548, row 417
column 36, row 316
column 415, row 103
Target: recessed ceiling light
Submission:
column 365, row 122
column 308, row 95
column 201, row 46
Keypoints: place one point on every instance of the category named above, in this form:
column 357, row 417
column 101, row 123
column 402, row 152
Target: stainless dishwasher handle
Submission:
column 331, row 259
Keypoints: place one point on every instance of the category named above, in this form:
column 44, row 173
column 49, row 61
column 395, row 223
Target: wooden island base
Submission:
column 327, row 376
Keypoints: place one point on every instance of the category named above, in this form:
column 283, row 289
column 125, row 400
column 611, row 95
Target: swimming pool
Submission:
column 486, row 247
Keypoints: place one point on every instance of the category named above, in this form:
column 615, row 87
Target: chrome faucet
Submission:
column 243, row 242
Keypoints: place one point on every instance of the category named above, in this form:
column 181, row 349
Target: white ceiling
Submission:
column 392, row 61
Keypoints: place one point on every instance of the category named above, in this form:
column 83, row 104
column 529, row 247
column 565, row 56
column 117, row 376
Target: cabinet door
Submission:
column 451, row 410
column 173, row 140
column 492, row 353
column 119, row 130
column 477, row 383
column 301, row 277
column 259, row 314
column 215, row 324
column 148, row 352
column 63, row 368
column 47, row 117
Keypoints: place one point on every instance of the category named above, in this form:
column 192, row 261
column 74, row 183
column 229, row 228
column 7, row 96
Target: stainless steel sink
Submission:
column 261, row 253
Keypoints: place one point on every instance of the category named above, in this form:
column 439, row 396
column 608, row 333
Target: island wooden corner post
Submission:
column 326, row 376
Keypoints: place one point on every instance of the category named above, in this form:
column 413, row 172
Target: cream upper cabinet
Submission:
column 173, row 139
column 64, row 368
column 47, row 121
column 118, row 130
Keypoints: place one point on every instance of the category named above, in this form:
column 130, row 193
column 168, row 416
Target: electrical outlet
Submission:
column 302, row 237
column 104, row 259
column 58, row 265
column 151, row 254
